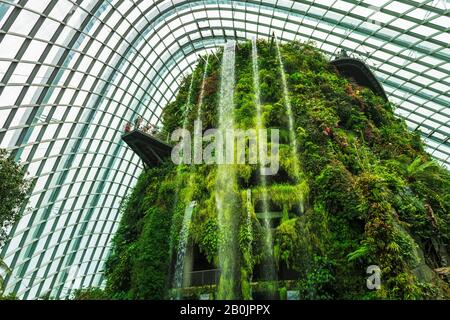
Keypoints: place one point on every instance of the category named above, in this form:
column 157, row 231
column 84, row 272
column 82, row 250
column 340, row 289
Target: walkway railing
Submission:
column 204, row 277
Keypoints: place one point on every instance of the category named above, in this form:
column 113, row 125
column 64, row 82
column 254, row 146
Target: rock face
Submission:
column 355, row 190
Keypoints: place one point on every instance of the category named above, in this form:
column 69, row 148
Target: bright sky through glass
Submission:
column 72, row 74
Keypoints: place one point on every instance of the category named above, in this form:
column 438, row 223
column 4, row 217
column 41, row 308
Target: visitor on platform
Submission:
column 137, row 123
column 148, row 127
column 128, row 127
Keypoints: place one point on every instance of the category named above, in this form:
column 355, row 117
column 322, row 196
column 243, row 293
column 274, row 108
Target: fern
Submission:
column 358, row 253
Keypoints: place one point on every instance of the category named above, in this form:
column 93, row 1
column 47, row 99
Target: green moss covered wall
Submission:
column 371, row 195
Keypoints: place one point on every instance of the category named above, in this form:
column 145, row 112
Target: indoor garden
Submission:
column 354, row 192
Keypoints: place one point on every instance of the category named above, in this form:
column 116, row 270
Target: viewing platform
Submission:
column 360, row 73
column 149, row 148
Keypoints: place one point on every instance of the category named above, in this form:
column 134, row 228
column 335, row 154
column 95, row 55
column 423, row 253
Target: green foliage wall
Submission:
column 138, row 266
column 371, row 195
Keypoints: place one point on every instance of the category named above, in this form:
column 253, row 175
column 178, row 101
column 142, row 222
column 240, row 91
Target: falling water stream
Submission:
column 198, row 129
column 293, row 139
column 202, row 91
column 184, row 234
column 226, row 194
column 268, row 270
column 182, row 244
column 181, row 249
column 187, row 106
column 226, row 184
column 287, row 102
column 292, row 135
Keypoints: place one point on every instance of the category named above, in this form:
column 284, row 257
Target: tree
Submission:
column 3, row 268
column 13, row 191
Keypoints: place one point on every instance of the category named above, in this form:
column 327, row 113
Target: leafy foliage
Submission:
column 13, row 191
column 358, row 191
column 90, row 294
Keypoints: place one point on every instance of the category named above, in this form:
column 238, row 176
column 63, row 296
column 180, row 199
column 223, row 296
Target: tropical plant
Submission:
column 3, row 270
column 13, row 191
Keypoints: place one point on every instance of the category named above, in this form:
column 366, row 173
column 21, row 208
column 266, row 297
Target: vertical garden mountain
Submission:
column 356, row 189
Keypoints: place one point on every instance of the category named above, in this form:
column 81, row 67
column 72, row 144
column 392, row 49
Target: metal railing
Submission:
column 204, row 277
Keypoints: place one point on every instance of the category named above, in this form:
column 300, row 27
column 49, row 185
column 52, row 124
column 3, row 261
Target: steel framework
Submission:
column 73, row 71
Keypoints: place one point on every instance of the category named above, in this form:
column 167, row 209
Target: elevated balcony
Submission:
column 358, row 71
column 149, row 148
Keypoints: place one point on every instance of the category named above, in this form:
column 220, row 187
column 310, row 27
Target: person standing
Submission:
column 137, row 122
column 127, row 127
column 147, row 127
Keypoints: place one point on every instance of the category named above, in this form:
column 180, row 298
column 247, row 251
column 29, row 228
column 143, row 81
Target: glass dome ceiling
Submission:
column 72, row 73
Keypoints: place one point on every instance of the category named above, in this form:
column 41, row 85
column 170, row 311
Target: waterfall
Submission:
column 247, row 293
column 184, row 235
column 269, row 265
column 187, row 106
column 248, row 221
column 292, row 135
column 202, row 91
column 226, row 184
column 181, row 252
column 180, row 275
column 287, row 102
column 198, row 151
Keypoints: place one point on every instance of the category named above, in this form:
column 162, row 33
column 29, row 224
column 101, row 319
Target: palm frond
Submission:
column 4, row 267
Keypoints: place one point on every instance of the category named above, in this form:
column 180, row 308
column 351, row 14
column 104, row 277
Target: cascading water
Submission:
column 269, row 263
column 181, row 253
column 226, row 184
column 287, row 102
column 292, row 135
column 198, row 130
column 248, row 221
column 184, row 235
column 226, row 194
column 202, row 91
column 187, row 107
